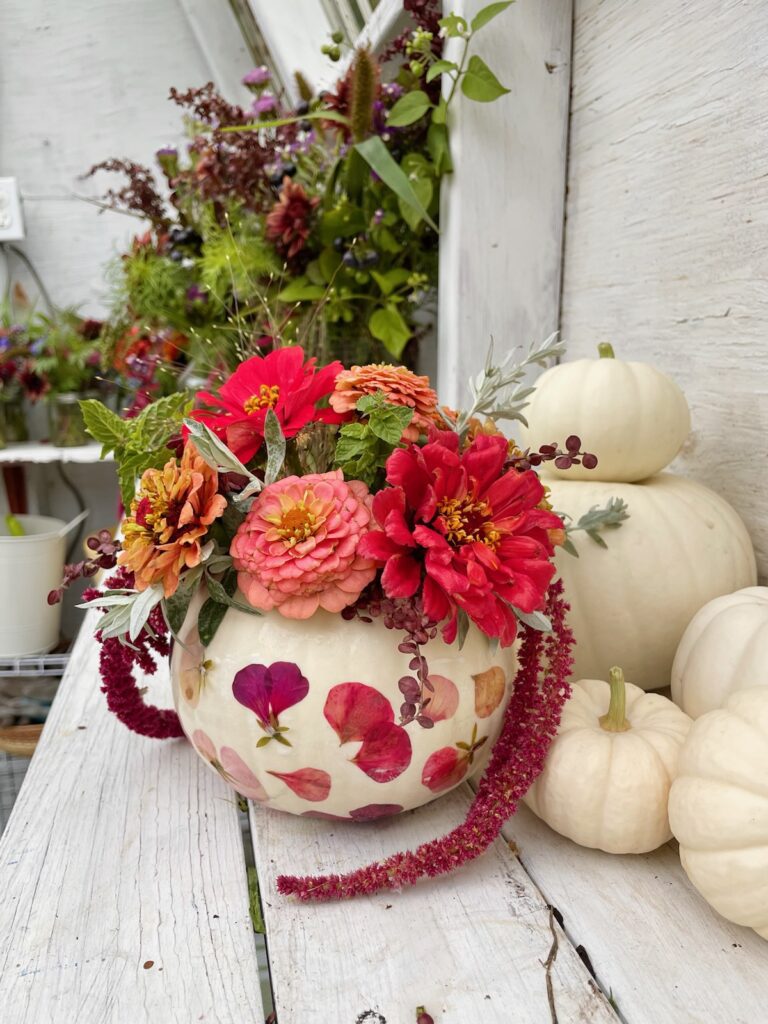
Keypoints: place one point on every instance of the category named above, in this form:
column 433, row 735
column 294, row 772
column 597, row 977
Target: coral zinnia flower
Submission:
column 287, row 223
column 171, row 513
column 469, row 536
column 297, row 550
column 281, row 381
column 398, row 384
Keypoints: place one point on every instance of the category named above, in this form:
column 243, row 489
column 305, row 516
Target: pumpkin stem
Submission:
column 605, row 350
column 616, row 720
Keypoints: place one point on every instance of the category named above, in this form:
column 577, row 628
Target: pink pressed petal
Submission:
column 444, row 701
column 309, row 783
column 444, row 769
column 243, row 779
column 385, row 753
column 353, row 709
column 373, row 811
column 204, row 745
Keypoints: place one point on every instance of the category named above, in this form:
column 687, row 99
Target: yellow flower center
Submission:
column 467, row 521
column 296, row 524
column 267, row 398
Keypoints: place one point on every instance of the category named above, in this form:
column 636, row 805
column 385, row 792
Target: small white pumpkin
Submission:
column 718, row 808
column 630, row 415
column 724, row 649
column 606, row 780
column 631, row 601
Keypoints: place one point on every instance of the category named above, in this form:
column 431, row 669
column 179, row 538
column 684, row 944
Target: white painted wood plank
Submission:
column 124, row 884
column 468, row 947
column 35, row 451
column 654, row 944
column 666, row 250
column 502, row 209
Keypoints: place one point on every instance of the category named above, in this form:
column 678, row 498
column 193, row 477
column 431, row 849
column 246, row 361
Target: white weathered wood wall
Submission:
column 82, row 81
column 666, row 248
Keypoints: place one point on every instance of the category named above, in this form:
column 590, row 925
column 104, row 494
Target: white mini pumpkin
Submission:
column 606, row 780
column 718, row 808
column 631, row 415
column 631, row 601
column 724, row 649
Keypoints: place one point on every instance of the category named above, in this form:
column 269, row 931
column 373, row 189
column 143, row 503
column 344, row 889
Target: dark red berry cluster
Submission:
column 105, row 551
column 571, row 455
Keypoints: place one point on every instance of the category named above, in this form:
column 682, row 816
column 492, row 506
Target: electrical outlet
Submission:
column 11, row 221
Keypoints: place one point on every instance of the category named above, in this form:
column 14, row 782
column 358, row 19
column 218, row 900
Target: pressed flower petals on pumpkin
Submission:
column 309, row 783
column 268, row 690
column 385, row 753
column 297, row 549
column 230, row 767
column 443, row 700
column 371, row 812
column 447, row 767
column 170, row 516
column 193, row 667
column 490, row 687
column 353, row 709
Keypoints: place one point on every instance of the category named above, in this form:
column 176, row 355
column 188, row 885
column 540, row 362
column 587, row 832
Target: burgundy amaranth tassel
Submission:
column 530, row 725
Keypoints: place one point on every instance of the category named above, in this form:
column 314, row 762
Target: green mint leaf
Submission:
column 103, row 425
column 389, row 424
column 479, row 83
column 486, row 14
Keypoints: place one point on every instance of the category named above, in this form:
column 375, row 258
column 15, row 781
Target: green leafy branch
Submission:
column 611, row 516
column 363, row 448
column 138, row 444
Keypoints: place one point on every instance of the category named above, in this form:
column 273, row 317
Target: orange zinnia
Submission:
column 171, row 513
column 398, row 384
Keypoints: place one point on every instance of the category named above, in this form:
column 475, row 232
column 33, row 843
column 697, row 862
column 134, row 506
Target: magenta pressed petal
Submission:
column 373, row 811
column 289, row 686
column 252, row 687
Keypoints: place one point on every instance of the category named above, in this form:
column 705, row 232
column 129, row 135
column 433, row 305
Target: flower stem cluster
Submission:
column 105, row 551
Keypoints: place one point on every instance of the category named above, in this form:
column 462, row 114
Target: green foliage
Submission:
column 235, row 258
column 409, row 108
column 66, row 359
column 388, row 326
column 479, row 82
column 363, row 448
column 611, row 516
column 155, row 288
column 138, row 444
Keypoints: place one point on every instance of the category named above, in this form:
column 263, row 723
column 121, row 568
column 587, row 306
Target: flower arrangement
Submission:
column 295, row 491
column 315, row 225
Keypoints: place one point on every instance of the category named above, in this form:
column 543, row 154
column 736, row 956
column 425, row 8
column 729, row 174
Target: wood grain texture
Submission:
column 81, row 82
column 653, row 942
column 469, row 947
column 124, row 885
column 666, row 250
column 502, row 209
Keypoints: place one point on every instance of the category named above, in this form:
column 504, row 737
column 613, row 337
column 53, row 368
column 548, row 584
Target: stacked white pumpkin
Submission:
column 682, row 545
column 629, row 769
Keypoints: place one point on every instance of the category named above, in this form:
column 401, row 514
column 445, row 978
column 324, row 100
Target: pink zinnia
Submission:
column 400, row 386
column 297, row 550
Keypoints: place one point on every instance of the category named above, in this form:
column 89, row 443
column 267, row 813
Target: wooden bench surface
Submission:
column 125, row 899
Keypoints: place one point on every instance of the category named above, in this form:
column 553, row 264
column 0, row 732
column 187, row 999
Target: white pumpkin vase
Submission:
column 304, row 716
column 724, row 649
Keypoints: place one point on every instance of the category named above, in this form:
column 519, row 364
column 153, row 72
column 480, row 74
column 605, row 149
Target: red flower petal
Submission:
column 401, row 576
column 385, row 753
column 353, row 709
column 444, row 769
column 373, row 811
column 309, row 783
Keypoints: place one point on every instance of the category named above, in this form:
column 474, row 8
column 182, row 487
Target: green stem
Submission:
column 616, row 720
column 605, row 350
column 459, row 73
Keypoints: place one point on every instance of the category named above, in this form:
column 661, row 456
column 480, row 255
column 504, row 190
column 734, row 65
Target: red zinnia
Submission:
column 281, row 381
column 464, row 532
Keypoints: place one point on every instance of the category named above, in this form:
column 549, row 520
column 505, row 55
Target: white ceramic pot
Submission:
column 305, row 715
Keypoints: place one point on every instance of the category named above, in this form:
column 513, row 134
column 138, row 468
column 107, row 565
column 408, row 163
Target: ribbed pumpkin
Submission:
column 718, row 808
column 632, row 601
column 631, row 415
column 724, row 649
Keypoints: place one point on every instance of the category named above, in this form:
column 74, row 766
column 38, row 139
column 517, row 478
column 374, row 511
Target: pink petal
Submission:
column 308, row 783
column 373, row 811
column 385, row 753
column 444, row 701
column 401, row 576
column 242, row 777
column 204, row 745
column 353, row 709
column 444, row 769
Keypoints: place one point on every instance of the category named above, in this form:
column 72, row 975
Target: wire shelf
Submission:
column 34, row 665
column 12, row 772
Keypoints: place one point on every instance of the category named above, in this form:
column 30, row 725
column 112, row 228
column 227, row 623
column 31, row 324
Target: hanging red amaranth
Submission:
column 117, row 663
column 530, row 725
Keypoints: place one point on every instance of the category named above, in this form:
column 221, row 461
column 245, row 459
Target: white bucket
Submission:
column 30, row 567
